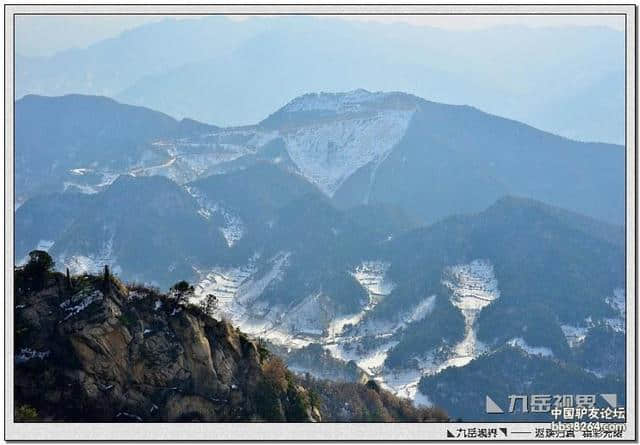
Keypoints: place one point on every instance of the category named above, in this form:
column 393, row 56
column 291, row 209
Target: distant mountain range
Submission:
column 430, row 160
column 235, row 72
column 360, row 233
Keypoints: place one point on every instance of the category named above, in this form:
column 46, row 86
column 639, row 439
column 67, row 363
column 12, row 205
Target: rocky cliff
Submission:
column 90, row 348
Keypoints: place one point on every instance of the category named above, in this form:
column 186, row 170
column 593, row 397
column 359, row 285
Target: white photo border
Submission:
column 300, row 431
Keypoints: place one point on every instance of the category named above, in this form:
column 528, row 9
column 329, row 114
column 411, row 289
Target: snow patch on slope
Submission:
column 223, row 283
column 181, row 160
column 194, row 157
column 531, row 350
column 473, row 287
column 618, row 303
column 238, row 290
column 93, row 264
column 310, row 316
column 234, row 228
column 423, row 309
column 27, row 354
column 80, row 171
column 251, row 290
column 81, row 188
column 371, row 275
column 328, row 152
column 575, row 335
column 404, row 383
column 367, row 342
column 91, row 183
column 349, row 345
column 80, row 302
column 371, row 360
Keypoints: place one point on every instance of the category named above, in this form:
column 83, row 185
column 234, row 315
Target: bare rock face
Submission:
column 89, row 349
column 102, row 352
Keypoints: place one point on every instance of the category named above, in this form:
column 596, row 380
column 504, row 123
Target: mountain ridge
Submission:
column 319, row 279
column 61, row 140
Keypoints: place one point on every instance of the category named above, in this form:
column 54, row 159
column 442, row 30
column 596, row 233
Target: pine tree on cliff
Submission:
column 69, row 284
column 106, row 278
column 182, row 291
column 59, row 286
column 210, row 305
column 38, row 269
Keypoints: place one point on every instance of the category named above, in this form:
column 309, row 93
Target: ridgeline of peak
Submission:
column 342, row 100
column 349, row 102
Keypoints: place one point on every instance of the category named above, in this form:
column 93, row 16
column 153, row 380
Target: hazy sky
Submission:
column 64, row 32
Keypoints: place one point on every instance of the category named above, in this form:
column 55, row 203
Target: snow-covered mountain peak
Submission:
column 329, row 136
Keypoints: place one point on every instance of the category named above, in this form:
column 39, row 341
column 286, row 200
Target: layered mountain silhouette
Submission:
column 431, row 160
column 207, row 69
column 363, row 233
